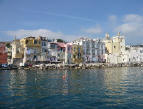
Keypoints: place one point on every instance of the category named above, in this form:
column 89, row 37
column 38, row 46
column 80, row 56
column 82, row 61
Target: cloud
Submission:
column 112, row 18
column 130, row 25
column 132, row 28
column 39, row 32
column 62, row 15
column 70, row 17
column 133, row 18
column 94, row 30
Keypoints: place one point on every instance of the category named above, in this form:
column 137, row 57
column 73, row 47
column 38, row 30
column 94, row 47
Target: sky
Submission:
column 71, row 19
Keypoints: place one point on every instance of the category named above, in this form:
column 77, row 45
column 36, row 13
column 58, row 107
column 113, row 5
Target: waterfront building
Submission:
column 3, row 53
column 57, row 52
column 61, row 51
column 53, row 51
column 32, row 49
column 9, row 52
column 93, row 49
column 68, row 53
column 77, row 54
column 45, row 55
column 134, row 54
column 17, row 52
column 115, row 49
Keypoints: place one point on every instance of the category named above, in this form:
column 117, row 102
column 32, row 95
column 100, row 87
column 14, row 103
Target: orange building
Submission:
column 3, row 53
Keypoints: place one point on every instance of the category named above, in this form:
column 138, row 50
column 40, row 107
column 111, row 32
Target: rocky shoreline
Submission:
column 74, row 66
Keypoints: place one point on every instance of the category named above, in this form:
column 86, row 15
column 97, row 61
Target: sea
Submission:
column 104, row 88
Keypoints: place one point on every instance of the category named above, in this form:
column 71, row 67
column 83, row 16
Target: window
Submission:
column 69, row 48
column 74, row 49
column 43, row 43
column 141, row 51
column 79, row 49
column 79, row 55
column 35, row 41
column 74, row 56
column 26, row 42
column 17, row 51
column 44, row 50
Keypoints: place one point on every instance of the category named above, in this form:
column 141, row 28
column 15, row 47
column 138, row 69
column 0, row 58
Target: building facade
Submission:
column 68, row 53
column 93, row 49
column 134, row 54
column 3, row 53
column 45, row 46
column 17, row 52
column 32, row 49
column 115, row 49
column 77, row 54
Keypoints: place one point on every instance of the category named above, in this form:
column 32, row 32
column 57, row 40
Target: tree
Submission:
column 8, row 45
column 60, row 40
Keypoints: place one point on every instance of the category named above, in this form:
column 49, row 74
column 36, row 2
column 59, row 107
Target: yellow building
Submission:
column 115, row 49
column 115, row 45
column 31, row 42
column 32, row 49
column 77, row 54
column 16, row 49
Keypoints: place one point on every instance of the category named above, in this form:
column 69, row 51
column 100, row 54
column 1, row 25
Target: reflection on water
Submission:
column 65, row 82
column 113, row 80
column 95, row 88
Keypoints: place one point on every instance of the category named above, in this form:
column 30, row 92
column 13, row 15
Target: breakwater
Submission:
column 80, row 66
column 73, row 66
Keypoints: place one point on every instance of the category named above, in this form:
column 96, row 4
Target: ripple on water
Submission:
column 110, row 88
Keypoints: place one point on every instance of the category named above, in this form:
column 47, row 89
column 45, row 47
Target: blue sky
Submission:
column 69, row 19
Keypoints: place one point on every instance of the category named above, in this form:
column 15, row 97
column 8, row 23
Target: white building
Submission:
column 93, row 49
column 134, row 54
column 17, row 52
column 68, row 53
column 45, row 45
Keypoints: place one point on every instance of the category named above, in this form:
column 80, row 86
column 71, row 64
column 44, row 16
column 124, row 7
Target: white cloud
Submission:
column 112, row 18
column 64, row 16
column 39, row 32
column 133, row 18
column 94, row 30
column 132, row 28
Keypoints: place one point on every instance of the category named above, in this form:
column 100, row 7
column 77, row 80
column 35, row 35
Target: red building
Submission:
column 3, row 53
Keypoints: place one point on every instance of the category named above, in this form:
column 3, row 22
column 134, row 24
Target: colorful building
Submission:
column 68, row 53
column 134, row 54
column 45, row 54
column 9, row 52
column 3, row 53
column 77, row 54
column 115, row 49
column 61, row 47
column 17, row 52
column 32, row 49
column 53, row 51
column 93, row 49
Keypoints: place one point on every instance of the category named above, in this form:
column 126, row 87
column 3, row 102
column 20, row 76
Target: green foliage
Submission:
column 8, row 45
column 60, row 40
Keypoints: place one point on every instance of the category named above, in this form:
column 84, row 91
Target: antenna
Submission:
column 118, row 33
column 15, row 37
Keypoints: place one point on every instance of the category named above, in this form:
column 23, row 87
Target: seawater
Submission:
column 109, row 88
